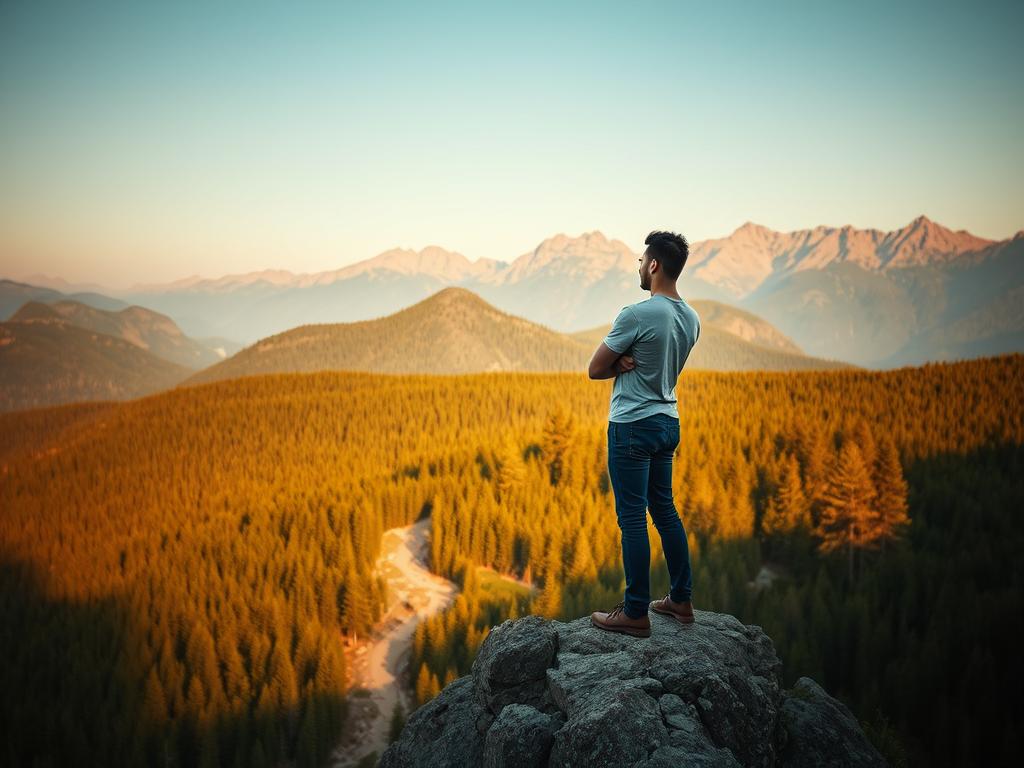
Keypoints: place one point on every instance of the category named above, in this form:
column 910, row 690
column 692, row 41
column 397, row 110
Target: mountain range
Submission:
column 873, row 298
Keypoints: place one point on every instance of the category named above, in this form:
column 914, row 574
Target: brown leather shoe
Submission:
column 681, row 612
column 616, row 620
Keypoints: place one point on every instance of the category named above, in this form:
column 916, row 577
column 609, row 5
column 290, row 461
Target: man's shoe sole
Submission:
column 676, row 616
column 624, row 630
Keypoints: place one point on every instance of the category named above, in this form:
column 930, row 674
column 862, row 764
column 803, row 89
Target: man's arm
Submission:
column 607, row 363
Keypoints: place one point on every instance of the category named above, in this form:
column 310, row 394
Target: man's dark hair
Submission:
column 669, row 250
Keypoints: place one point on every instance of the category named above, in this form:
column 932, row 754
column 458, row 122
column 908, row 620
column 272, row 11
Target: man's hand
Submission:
column 623, row 364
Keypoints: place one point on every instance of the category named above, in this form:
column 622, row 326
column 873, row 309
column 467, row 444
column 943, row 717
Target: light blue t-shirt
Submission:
column 658, row 333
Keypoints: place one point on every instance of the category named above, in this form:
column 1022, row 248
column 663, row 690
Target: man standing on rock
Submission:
column 645, row 351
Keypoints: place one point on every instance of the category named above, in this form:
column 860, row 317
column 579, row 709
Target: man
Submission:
column 645, row 351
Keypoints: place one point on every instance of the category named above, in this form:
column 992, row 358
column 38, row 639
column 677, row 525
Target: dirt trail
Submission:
column 378, row 663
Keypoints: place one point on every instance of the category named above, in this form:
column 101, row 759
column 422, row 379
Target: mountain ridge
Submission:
column 457, row 331
column 451, row 331
column 870, row 297
column 46, row 360
column 152, row 331
column 751, row 254
column 900, row 247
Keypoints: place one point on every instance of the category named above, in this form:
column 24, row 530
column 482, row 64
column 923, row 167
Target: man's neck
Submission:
column 670, row 293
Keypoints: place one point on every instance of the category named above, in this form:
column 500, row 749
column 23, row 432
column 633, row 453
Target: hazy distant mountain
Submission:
column 565, row 283
column 432, row 261
column 902, row 315
column 250, row 310
column 258, row 304
column 14, row 294
column 862, row 295
column 46, row 360
column 64, row 286
column 221, row 347
column 142, row 327
column 96, row 312
column 746, row 325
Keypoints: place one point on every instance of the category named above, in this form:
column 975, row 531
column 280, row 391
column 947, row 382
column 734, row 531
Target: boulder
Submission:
column 551, row 693
column 818, row 730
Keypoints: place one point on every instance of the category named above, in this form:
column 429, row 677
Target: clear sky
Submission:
column 151, row 141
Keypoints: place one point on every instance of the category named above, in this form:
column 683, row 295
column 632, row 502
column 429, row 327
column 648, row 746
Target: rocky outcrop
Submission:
column 549, row 693
column 820, row 730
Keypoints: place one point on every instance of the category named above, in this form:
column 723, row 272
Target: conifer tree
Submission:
column 816, row 464
column 864, row 437
column 154, row 702
column 511, row 470
column 423, row 684
column 551, row 595
column 504, row 535
column 558, row 433
column 772, row 521
column 789, row 507
column 282, row 676
column 583, row 566
column 847, row 515
column 196, row 699
column 891, row 501
column 356, row 608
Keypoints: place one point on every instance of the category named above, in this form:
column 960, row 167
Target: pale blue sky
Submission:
column 144, row 142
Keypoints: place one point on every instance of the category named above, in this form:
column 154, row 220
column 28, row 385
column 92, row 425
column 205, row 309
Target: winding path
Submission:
column 379, row 663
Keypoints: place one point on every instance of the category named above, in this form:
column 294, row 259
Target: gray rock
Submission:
column 511, row 665
column 579, row 677
column 442, row 732
column 819, row 730
column 570, row 694
column 619, row 727
column 520, row 737
column 689, row 741
column 671, row 756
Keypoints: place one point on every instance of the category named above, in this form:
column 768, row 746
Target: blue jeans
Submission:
column 640, row 468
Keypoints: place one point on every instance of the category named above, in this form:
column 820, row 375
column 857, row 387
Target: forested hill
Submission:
column 453, row 331
column 46, row 360
column 180, row 568
column 456, row 331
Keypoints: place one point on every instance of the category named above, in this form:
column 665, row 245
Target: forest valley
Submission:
column 180, row 571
